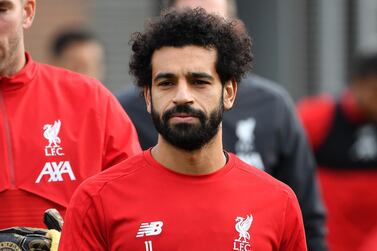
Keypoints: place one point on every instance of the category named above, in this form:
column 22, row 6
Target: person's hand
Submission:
column 54, row 236
column 54, row 223
column 24, row 239
column 34, row 239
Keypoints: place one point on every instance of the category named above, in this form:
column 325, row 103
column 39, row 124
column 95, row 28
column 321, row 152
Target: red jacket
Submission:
column 56, row 129
column 141, row 205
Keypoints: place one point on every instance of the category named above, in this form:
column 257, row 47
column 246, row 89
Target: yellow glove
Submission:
column 54, row 223
column 54, row 235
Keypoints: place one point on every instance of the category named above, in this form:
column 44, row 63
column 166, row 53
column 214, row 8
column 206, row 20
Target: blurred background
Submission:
column 305, row 45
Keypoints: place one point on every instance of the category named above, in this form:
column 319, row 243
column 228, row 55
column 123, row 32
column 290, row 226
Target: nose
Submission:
column 183, row 94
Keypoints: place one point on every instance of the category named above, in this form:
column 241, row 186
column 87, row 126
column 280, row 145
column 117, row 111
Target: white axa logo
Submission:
column 51, row 134
column 148, row 229
column 55, row 171
column 242, row 226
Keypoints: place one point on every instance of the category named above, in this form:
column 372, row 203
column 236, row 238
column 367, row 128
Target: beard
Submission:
column 8, row 54
column 188, row 136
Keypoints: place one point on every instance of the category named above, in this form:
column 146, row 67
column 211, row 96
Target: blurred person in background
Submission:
column 57, row 127
column 262, row 129
column 79, row 50
column 343, row 134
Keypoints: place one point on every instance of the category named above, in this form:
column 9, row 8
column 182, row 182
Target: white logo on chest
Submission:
column 55, row 171
column 242, row 226
column 50, row 133
column 365, row 147
column 244, row 147
column 148, row 229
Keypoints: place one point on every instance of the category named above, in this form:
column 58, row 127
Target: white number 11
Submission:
column 148, row 246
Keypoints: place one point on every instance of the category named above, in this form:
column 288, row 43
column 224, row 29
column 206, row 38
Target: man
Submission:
column 343, row 134
column 262, row 129
column 186, row 193
column 56, row 127
column 79, row 50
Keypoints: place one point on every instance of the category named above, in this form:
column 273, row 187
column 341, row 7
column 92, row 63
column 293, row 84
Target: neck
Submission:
column 205, row 160
column 15, row 64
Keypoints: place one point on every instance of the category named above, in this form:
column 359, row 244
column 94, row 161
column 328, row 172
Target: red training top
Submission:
column 141, row 205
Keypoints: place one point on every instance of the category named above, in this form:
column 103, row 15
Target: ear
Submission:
column 28, row 13
column 148, row 98
column 229, row 94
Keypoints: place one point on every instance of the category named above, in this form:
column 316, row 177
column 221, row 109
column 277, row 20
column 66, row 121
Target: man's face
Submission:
column 366, row 94
column 14, row 16
column 86, row 57
column 186, row 96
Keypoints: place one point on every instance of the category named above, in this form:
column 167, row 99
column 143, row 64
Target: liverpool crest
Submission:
column 242, row 243
column 51, row 133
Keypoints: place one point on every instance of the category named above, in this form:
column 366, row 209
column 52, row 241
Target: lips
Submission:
column 182, row 117
column 184, row 114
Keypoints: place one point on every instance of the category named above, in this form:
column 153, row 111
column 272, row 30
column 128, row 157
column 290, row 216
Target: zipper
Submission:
column 8, row 140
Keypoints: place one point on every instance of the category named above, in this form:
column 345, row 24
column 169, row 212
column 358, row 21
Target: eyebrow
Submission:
column 200, row 75
column 164, row 75
column 168, row 75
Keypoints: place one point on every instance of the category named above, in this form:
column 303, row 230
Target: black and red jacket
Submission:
column 345, row 147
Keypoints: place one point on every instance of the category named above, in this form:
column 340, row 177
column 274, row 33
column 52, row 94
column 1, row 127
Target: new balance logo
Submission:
column 148, row 229
column 55, row 171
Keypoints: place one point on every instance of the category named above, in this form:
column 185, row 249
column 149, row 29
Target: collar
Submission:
column 20, row 79
column 191, row 177
column 349, row 105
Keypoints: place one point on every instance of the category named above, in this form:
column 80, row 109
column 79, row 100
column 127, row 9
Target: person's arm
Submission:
column 83, row 228
column 297, row 169
column 121, row 139
column 134, row 104
column 316, row 114
column 293, row 234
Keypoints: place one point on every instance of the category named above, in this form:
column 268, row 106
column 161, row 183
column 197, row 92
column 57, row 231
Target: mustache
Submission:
column 187, row 109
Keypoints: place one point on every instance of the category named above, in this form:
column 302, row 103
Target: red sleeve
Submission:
column 370, row 242
column 293, row 234
column 83, row 228
column 121, row 140
column 316, row 116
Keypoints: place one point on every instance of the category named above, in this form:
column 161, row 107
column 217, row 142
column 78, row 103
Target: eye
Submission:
column 5, row 6
column 165, row 84
column 200, row 82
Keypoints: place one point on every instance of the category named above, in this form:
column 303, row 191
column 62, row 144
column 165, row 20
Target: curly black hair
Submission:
column 180, row 28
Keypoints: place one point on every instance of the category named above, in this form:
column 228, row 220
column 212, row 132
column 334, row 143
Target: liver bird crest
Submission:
column 243, row 226
column 51, row 133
